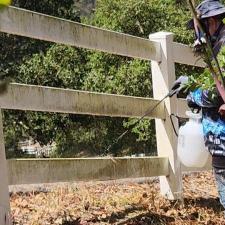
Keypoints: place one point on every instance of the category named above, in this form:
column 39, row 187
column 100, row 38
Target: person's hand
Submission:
column 180, row 82
column 178, row 85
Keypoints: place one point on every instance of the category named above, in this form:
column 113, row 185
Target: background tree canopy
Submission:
column 41, row 63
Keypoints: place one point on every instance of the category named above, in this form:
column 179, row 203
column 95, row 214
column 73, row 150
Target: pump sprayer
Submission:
column 191, row 147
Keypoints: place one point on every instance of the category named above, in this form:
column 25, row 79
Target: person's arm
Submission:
column 203, row 99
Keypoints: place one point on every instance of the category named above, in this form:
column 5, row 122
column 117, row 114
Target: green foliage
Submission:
column 14, row 48
column 205, row 80
column 118, row 75
column 59, row 8
column 142, row 17
column 61, row 66
column 141, row 129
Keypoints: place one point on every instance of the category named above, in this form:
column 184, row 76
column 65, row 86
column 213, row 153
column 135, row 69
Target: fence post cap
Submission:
column 161, row 35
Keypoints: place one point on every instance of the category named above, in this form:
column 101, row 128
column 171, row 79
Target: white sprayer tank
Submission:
column 191, row 148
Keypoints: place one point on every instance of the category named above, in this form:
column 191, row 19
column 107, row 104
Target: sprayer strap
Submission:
column 171, row 119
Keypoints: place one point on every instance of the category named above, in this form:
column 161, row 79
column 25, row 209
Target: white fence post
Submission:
column 4, row 190
column 163, row 76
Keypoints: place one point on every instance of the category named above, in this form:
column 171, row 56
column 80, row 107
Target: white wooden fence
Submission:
column 162, row 52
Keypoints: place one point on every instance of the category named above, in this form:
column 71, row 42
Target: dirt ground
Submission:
column 119, row 203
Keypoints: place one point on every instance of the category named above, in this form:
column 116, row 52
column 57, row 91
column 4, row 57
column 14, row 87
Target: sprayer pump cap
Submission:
column 191, row 115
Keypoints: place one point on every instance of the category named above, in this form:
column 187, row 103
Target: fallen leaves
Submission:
column 120, row 203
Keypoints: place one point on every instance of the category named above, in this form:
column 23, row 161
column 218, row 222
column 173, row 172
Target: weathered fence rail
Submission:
column 48, row 99
column 183, row 54
column 163, row 54
column 36, row 171
column 23, row 171
column 39, row 26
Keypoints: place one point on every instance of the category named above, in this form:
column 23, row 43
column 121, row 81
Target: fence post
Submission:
column 163, row 76
column 4, row 190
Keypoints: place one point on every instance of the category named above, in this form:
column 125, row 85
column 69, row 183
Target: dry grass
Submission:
column 120, row 203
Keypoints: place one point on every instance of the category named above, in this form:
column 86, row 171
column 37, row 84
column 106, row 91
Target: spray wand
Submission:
column 176, row 88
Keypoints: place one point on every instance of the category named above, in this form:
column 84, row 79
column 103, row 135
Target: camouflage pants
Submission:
column 220, row 182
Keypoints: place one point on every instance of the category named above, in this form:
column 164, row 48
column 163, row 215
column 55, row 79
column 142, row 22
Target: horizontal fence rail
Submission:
column 183, row 54
column 39, row 26
column 47, row 99
column 44, row 27
column 32, row 171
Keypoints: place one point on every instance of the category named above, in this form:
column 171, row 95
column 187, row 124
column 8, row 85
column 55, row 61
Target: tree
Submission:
column 23, row 47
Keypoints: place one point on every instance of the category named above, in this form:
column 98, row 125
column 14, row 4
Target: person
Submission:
column 211, row 14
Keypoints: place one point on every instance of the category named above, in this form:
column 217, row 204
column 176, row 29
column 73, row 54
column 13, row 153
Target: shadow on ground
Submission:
column 208, row 203
column 137, row 215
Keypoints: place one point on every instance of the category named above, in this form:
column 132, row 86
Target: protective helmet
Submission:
column 206, row 9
